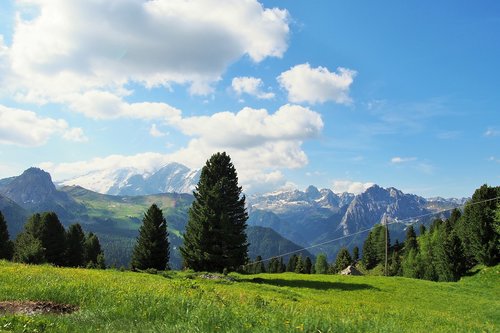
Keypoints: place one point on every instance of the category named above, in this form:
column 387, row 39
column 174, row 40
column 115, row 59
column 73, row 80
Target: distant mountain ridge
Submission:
column 171, row 178
column 295, row 218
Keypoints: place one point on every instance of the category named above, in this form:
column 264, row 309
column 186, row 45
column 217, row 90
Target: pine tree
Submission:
column 92, row 249
column 75, row 245
column 321, row 264
column 258, row 266
column 355, row 254
column 6, row 246
column 476, row 227
column 450, row 263
column 282, row 266
column 215, row 235
column 152, row 247
column 369, row 257
column 422, row 229
column 292, row 262
column 342, row 261
column 411, row 239
column 308, row 265
column 28, row 246
column 28, row 249
column 53, row 238
column 299, row 265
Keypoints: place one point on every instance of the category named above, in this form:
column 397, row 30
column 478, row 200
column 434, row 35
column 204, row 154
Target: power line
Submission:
column 368, row 229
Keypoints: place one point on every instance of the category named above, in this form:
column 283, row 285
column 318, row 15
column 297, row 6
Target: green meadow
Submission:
column 114, row 301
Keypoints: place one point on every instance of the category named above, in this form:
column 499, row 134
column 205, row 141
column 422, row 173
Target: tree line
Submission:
column 449, row 248
column 45, row 240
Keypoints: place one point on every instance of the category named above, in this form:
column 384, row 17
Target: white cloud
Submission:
column 251, row 86
column 144, row 162
column 72, row 47
column 399, row 160
column 340, row 186
column 104, row 105
column 260, row 145
column 155, row 132
column 492, row 132
column 26, row 128
column 75, row 134
column 317, row 85
column 253, row 127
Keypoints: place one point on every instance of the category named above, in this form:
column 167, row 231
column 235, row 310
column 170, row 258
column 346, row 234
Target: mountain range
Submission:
column 279, row 222
column 172, row 178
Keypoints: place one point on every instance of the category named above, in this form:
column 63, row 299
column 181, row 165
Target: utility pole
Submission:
column 386, row 247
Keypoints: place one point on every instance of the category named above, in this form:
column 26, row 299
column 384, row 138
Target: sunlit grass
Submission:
column 115, row 301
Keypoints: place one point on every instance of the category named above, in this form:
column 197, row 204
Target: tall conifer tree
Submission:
column 75, row 242
column 6, row 246
column 53, row 238
column 215, row 235
column 152, row 247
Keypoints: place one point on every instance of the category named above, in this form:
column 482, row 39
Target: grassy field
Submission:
column 113, row 301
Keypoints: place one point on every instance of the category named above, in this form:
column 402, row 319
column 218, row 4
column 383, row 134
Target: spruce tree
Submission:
column 152, row 247
column 355, row 254
column 215, row 235
column 53, row 238
column 321, row 264
column 476, row 229
column 28, row 246
column 258, row 266
column 299, row 265
column 92, row 250
column 369, row 257
column 75, row 246
column 308, row 265
column 411, row 239
column 342, row 261
column 292, row 262
column 6, row 246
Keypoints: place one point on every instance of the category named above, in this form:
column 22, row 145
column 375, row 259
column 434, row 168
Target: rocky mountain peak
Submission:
column 313, row 192
column 33, row 186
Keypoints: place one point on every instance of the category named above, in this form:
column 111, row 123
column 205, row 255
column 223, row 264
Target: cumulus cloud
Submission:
column 104, row 105
column 259, row 143
column 70, row 47
column 341, row 186
column 317, row 85
column 26, row 128
column 251, row 86
column 253, row 127
column 155, row 132
column 399, row 160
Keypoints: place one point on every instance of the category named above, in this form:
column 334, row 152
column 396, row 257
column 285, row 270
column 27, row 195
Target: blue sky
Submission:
column 338, row 94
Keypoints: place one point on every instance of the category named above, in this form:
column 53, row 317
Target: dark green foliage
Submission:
column 369, row 258
column 75, row 246
column 101, row 262
column 394, row 268
column 422, row 229
column 477, row 231
column 6, row 246
column 273, row 265
column 308, row 265
column 292, row 262
column 321, row 264
column 450, row 260
column 343, row 260
column 92, row 250
column 53, row 240
column 355, row 253
column 28, row 249
column 299, row 265
column 152, row 247
column 215, row 235
column 411, row 239
column 258, row 266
